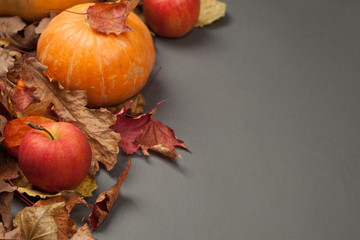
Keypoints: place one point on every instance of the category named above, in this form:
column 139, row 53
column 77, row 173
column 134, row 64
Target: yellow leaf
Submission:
column 210, row 11
column 86, row 188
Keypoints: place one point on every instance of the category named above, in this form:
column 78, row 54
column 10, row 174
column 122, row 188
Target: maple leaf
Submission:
column 159, row 138
column 13, row 234
column 147, row 134
column 66, row 225
column 83, row 233
column 130, row 128
column 106, row 200
column 111, row 17
column 22, row 98
column 39, row 222
column 6, row 197
column 70, row 106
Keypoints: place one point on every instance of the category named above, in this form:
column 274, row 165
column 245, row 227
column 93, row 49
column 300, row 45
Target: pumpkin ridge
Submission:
column 102, row 98
column 71, row 65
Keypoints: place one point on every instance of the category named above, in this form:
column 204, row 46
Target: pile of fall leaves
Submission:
column 27, row 91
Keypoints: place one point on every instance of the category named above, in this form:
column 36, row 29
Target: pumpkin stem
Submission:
column 38, row 127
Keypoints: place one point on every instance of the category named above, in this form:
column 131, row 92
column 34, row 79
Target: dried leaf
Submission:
column 24, row 186
column 20, row 35
column 66, row 225
column 106, row 200
column 83, row 233
column 38, row 222
column 9, row 169
column 6, row 62
column 86, row 188
column 6, row 197
column 130, row 128
column 210, row 11
column 10, row 235
column 137, row 104
column 70, row 106
column 145, row 133
column 111, row 17
column 22, row 98
column 160, row 138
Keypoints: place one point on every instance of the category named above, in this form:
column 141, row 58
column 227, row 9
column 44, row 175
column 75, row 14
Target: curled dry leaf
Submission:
column 210, row 11
column 6, row 197
column 39, row 222
column 106, row 200
column 111, row 17
column 10, row 235
column 70, row 106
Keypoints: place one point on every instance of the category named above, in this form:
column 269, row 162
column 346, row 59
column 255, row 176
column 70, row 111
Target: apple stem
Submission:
column 38, row 127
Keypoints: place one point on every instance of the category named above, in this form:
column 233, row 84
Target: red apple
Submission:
column 55, row 164
column 171, row 18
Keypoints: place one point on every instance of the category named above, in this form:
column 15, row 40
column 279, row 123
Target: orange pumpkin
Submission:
column 111, row 68
column 31, row 10
column 16, row 129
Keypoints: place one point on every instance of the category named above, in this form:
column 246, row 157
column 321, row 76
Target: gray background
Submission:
column 267, row 100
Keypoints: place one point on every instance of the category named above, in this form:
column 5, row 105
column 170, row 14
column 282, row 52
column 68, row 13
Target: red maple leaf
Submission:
column 111, row 17
column 160, row 138
column 145, row 133
column 130, row 128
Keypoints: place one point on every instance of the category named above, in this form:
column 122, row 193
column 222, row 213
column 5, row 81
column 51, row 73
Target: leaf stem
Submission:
column 38, row 127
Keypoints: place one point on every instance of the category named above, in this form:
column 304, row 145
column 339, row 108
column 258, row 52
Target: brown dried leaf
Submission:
column 66, row 225
column 10, row 27
column 70, row 106
column 6, row 197
column 210, row 11
column 39, row 222
column 136, row 107
column 106, row 200
column 10, row 235
column 83, row 233
column 9, row 169
column 6, row 62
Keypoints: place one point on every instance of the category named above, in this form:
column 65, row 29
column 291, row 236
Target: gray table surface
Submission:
column 267, row 100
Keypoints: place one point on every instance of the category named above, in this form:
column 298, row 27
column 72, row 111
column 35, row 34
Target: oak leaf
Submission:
column 111, row 17
column 106, row 200
column 70, row 106
column 6, row 197
column 39, row 222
